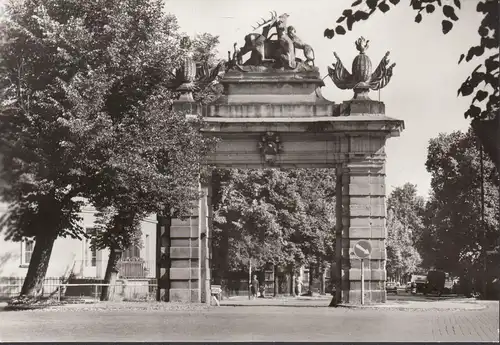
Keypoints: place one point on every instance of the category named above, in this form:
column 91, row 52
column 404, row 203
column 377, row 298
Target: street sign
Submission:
column 215, row 289
column 362, row 249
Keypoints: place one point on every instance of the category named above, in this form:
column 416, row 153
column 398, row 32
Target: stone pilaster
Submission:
column 185, row 252
column 184, row 249
column 163, row 258
column 340, row 265
column 363, row 217
column 205, row 226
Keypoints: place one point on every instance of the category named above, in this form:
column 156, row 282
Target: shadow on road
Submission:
column 406, row 296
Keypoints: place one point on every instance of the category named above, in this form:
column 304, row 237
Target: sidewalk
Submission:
column 324, row 301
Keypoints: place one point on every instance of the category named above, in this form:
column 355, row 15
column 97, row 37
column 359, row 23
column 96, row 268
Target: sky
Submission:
column 422, row 91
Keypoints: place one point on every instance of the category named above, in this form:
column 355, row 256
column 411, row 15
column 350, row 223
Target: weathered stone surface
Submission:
column 371, row 296
column 184, row 273
column 184, row 284
column 286, row 87
column 184, row 253
column 183, row 263
column 185, row 295
column 370, row 274
column 366, row 188
column 368, row 107
column 262, row 109
column 366, row 232
column 180, row 231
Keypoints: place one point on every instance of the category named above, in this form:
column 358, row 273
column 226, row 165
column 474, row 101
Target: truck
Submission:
column 435, row 282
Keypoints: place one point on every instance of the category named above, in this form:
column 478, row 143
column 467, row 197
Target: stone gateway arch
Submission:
column 272, row 114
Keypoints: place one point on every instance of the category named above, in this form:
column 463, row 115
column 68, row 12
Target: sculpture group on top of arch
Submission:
column 268, row 52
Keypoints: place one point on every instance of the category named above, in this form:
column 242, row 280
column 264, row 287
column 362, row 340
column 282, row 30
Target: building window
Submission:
column 90, row 249
column 27, row 246
column 131, row 252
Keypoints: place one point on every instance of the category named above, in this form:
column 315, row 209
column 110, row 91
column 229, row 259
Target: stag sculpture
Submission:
column 254, row 42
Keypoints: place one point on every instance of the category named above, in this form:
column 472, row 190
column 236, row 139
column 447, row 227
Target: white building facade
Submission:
column 78, row 257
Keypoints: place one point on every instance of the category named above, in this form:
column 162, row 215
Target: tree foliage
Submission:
column 404, row 230
column 483, row 81
column 86, row 112
column 456, row 237
column 204, row 48
column 274, row 217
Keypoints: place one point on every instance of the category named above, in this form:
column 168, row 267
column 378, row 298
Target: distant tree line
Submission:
column 276, row 220
column 457, row 228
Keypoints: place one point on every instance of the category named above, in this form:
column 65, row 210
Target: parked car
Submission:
column 418, row 283
column 391, row 288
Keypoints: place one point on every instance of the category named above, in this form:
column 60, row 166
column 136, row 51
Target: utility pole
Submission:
column 249, row 279
column 483, row 225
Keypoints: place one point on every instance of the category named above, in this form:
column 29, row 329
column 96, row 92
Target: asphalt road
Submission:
column 252, row 323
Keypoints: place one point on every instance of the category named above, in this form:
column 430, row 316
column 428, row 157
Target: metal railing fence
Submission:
column 55, row 288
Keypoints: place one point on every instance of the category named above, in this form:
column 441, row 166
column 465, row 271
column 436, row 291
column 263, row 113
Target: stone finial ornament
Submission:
column 362, row 79
column 270, row 146
column 193, row 75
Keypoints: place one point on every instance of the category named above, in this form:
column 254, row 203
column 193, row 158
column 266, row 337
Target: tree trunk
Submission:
column 487, row 133
column 276, row 282
column 292, row 282
column 284, row 285
column 311, row 279
column 39, row 263
column 322, row 281
column 111, row 275
column 262, row 282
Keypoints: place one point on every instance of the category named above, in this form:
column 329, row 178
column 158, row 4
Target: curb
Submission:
column 413, row 308
column 273, row 305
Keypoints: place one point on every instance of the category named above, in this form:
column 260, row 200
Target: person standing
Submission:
column 254, row 287
column 298, row 286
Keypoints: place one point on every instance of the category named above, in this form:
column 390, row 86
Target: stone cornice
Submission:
column 348, row 125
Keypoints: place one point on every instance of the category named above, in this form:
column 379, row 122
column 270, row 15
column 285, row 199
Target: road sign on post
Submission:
column 362, row 249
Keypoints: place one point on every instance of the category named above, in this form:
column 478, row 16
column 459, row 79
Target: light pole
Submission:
column 483, row 225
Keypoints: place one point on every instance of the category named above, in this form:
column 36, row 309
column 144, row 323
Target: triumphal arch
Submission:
column 272, row 114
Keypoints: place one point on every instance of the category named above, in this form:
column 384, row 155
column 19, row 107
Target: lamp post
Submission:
column 483, row 225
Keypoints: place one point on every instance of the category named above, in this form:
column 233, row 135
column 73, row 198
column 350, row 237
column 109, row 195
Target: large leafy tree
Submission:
column 87, row 113
column 402, row 255
column 408, row 208
column 50, row 121
column 459, row 231
column 483, row 81
column 251, row 220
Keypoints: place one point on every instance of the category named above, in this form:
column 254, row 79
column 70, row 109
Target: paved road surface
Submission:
column 252, row 323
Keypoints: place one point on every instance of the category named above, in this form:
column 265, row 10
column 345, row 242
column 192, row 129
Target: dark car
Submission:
column 391, row 288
